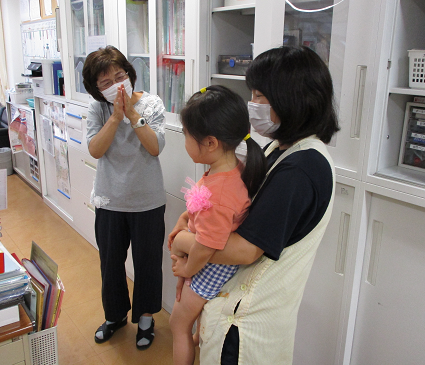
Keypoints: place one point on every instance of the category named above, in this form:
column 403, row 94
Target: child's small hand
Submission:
column 179, row 286
column 179, row 265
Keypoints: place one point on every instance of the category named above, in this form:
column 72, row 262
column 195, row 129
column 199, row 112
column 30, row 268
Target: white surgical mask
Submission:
column 259, row 117
column 111, row 92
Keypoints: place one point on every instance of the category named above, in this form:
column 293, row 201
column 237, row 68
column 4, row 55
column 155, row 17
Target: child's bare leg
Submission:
column 196, row 334
column 185, row 312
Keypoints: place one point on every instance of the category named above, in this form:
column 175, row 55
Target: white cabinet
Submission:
column 389, row 325
column 23, row 137
column 176, row 163
column 82, row 169
column 176, row 166
column 326, row 300
column 402, row 26
column 53, row 154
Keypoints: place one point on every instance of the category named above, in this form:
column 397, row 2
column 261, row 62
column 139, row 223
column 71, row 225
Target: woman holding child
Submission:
column 253, row 318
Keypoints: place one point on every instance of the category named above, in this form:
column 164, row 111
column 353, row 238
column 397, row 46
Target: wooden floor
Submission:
column 28, row 219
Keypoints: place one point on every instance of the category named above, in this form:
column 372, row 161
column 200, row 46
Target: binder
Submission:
column 56, row 313
column 48, row 310
column 40, row 303
column 36, row 274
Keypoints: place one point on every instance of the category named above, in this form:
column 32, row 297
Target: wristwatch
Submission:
column 140, row 123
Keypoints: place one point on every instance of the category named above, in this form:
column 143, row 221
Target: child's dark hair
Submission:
column 223, row 114
column 298, row 86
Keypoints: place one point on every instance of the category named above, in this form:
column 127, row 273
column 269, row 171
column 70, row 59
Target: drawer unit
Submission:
column 12, row 352
column 82, row 170
column 76, row 122
column 83, row 214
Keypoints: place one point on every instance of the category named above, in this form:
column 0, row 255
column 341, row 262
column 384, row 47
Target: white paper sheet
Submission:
column 96, row 42
column 25, row 10
column 35, row 9
column 48, row 7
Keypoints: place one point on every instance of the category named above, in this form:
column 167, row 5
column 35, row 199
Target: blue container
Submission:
column 30, row 102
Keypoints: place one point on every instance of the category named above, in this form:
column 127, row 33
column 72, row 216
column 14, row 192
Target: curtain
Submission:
column 3, row 69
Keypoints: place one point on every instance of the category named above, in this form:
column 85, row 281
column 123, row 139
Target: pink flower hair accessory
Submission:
column 197, row 197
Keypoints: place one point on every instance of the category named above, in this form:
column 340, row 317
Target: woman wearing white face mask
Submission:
column 253, row 319
column 125, row 131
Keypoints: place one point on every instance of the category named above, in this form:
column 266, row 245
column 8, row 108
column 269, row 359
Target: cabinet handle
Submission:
column 75, row 140
column 90, row 165
column 58, row 28
column 191, row 73
column 358, row 101
column 74, row 115
column 66, row 195
column 90, row 207
column 377, row 229
column 59, row 138
column 341, row 253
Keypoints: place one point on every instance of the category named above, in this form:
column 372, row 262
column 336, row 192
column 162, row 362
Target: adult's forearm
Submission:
column 238, row 251
column 100, row 143
column 148, row 139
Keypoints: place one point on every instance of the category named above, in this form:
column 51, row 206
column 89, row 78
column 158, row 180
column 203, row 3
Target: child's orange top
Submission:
column 230, row 201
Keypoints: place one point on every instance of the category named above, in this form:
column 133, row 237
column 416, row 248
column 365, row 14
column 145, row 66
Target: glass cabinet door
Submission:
column 323, row 31
column 171, row 68
column 87, row 19
column 137, row 20
column 343, row 37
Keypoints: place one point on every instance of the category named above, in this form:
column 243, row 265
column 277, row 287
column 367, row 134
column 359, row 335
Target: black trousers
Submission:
column 114, row 231
column 230, row 350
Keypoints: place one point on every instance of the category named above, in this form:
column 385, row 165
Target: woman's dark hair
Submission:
column 298, row 85
column 223, row 114
column 99, row 62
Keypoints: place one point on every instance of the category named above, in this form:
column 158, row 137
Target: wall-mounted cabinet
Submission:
column 403, row 24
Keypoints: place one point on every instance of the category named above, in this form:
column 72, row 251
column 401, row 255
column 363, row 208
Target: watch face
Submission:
column 140, row 123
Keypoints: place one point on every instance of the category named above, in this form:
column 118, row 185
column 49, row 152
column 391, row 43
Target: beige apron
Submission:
column 269, row 293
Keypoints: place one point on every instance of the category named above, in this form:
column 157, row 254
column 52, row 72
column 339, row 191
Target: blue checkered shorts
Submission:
column 208, row 282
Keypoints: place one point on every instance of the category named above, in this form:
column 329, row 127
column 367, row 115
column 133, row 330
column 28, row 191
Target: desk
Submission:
column 14, row 348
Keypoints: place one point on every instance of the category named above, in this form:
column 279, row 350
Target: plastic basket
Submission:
column 417, row 68
column 43, row 347
column 30, row 103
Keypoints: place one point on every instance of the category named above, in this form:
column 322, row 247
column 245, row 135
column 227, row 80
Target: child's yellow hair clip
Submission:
column 203, row 90
column 248, row 136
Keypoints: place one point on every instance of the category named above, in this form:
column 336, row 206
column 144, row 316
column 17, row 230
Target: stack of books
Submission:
column 47, row 288
column 14, row 284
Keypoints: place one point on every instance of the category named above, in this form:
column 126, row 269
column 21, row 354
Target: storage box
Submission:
column 234, row 65
column 21, row 96
column 412, row 149
column 417, row 68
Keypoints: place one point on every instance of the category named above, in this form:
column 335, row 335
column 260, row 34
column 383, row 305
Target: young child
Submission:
column 215, row 121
